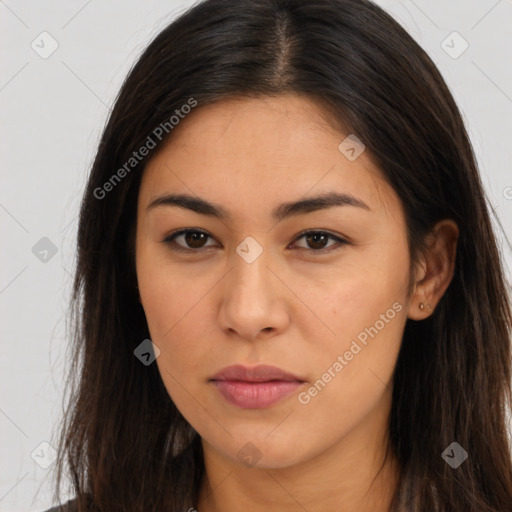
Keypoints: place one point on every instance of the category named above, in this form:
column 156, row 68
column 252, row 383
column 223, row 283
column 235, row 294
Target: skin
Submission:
column 291, row 307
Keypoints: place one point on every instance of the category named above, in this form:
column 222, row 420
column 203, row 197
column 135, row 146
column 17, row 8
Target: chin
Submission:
column 261, row 453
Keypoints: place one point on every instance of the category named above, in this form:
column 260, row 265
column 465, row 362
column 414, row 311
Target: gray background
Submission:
column 52, row 112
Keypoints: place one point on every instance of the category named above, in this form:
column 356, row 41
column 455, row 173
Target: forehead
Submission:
column 269, row 125
column 243, row 152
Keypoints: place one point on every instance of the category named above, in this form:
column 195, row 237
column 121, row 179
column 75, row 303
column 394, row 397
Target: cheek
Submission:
column 353, row 368
column 175, row 305
column 364, row 308
column 366, row 285
column 168, row 292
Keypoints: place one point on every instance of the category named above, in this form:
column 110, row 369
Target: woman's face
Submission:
column 254, row 290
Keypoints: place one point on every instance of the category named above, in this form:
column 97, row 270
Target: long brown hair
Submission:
column 123, row 442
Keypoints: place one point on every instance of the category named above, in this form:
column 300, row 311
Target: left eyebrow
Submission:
column 279, row 213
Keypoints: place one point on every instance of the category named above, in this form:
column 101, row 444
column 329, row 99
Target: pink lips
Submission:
column 257, row 387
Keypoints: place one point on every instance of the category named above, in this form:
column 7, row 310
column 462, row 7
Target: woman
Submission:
column 288, row 293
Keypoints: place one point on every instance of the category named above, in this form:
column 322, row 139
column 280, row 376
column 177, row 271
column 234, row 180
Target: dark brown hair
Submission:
column 124, row 443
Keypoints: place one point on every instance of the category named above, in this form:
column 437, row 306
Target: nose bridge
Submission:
column 249, row 295
column 250, row 274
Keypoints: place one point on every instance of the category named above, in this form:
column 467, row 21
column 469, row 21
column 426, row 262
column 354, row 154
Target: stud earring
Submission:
column 422, row 306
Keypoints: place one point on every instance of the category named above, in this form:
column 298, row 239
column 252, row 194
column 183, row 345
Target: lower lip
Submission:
column 256, row 395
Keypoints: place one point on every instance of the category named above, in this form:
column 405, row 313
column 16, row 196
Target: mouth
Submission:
column 255, row 388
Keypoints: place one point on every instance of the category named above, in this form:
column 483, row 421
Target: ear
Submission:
column 435, row 271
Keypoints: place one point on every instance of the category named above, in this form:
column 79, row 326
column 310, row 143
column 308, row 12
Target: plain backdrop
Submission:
column 53, row 109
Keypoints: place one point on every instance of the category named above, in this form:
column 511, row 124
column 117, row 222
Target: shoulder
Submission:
column 70, row 506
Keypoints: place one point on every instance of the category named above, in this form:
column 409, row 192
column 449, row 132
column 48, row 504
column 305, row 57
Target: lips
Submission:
column 255, row 388
column 262, row 373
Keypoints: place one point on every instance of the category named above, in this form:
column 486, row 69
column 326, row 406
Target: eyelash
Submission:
column 169, row 240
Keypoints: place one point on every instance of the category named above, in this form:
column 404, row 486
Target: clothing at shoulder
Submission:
column 69, row 506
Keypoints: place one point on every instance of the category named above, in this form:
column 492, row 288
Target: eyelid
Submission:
column 169, row 239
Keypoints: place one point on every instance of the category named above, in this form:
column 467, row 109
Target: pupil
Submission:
column 316, row 238
column 194, row 237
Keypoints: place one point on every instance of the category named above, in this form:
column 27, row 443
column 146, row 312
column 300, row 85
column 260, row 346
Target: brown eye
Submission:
column 317, row 240
column 193, row 239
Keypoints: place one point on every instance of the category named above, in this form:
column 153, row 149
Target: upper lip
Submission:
column 261, row 373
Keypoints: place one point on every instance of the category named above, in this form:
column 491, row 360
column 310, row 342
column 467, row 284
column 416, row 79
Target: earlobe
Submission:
column 438, row 270
column 422, row 306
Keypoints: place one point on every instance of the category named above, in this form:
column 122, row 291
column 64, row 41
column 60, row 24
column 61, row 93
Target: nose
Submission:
column 254, row 299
